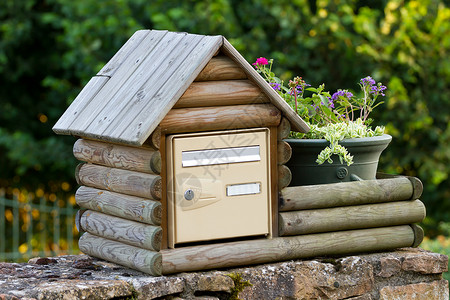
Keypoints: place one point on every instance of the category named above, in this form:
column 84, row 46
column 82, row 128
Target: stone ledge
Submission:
column 407, row 273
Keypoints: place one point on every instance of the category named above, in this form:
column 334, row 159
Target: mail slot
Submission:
column 218, row 185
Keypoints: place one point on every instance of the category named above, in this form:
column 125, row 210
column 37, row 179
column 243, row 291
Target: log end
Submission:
column 154, row 239
column 284, row 152
column 418, row 235
column 156, row 214
column 284, row 176
column 155, row 163
column 283, row 129
column 77, row 173
column 417, row 187
column 156, row 188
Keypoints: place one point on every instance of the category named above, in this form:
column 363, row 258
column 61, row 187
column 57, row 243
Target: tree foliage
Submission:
column 50, row 48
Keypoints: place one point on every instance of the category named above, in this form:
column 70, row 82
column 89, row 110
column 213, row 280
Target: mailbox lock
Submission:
column 189, row 194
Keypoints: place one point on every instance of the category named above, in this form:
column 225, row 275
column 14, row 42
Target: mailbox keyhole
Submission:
column 189, row 194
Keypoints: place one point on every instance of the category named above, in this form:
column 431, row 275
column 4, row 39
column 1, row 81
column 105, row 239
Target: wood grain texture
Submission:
column 146, row 261
column 285, row 248
column 92, row 121
column 284, row 177
column 284, row 152
column 273, row 144
column 78, row 215
column 416, row 183
column 125, row 231
column 183, row 67
column 296, row 122
column 221, row 68
column 345, row 193
column 116, row 61
column 119, row 205
column 83, row 99
column 221, row 93
column 418, row 235
column 284, row 128
column 220, row 118
column 118, row 156
column 121, row 181
column 164, row 181
column 154, row 140
column 351, row 217
column 150, row 78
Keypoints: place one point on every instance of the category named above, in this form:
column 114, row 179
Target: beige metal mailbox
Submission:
column 220, row 187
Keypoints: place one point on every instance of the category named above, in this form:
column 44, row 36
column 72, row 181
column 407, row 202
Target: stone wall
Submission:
column 403, row 274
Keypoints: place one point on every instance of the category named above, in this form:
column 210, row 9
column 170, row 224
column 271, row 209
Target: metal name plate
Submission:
column 244, row 189
column 220, row 156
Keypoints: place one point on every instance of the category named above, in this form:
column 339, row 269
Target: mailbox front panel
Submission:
column 218, row 185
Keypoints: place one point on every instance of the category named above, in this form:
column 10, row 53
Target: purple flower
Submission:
column 330, row 102
column 341, row 93
column 367, row 81
column 275, row 86
column 377, row 90
column 298, row 88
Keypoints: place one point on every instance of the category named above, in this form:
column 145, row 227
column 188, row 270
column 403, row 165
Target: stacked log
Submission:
column 224, row 94
column 286, row 248
column 331, row 219
column 284, row 153
column 120, row 194
column 351, row 205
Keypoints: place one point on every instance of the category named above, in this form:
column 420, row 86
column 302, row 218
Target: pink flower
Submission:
column 261, row 61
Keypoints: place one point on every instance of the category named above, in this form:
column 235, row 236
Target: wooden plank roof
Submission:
column 127, row 99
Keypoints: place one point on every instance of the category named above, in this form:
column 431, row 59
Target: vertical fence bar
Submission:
column 56, row 226
column 29, row 210
column 69, row 226
column 42, row 222
column 15, row 225
column 2, row 223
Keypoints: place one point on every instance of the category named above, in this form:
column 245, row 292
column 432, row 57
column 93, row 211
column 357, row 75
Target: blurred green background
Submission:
column 50, row 48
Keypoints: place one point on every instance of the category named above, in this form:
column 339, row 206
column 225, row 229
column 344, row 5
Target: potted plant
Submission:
column 341, row 145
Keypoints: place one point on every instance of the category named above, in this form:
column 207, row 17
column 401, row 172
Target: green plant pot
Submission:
column 305, row 171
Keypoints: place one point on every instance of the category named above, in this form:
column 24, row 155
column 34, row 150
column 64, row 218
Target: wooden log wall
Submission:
column 347, row 193
column 121, row 213
column 120, row 205
column 350, row 217
column 133, row 257
column 220, row 98
column 286, row 248
column 132, row 183
column 351, row 205
column 128, row 232
column 118, row 156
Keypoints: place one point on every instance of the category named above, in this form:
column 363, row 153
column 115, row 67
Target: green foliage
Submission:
column 334, row 133
column 50, row 48
column 239, row 285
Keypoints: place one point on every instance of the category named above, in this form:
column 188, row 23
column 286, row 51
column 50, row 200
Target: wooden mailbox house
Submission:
column 183, row 151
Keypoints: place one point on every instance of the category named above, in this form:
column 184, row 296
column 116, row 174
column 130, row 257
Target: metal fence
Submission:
column 33, row 226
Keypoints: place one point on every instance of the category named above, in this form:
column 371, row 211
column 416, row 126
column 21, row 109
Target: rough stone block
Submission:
column 426, row 263
column 332, row 279
column 216, row 283
column 390, row 266
column 436, row 290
